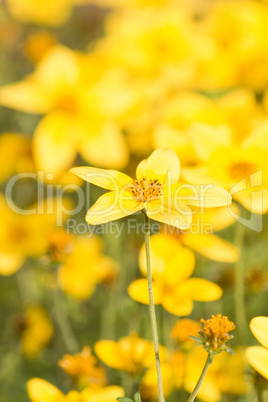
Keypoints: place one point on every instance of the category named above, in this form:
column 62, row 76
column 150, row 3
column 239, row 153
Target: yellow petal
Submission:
column 162, row 247
column 258, row 359
column 112, row 206
column 254, row 201
column 109, row 353
column 58, row 71
column 10, row 263
column 163, row 165
column 179, row 216
column 211, row 246
column 54, row 143
column 107, row 394
column 214, row 219
column 26, row 96
column 42, row 391
column 180, row 267
column 203, row 196
column 113, row 155
column 199, row 289
column 180, row 306
column 207, row 139
column 138, row 290
column 259, row 328
column 108, row 179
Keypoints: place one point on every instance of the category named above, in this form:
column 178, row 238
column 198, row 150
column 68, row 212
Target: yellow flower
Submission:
column 240, row 167
column 130, row 353
column 40, row 390
column 173, row 371
column 85, row 267
column 26, row 235
column 15, row 155
column 62, row 87
column 35, row 329
column 182, row 330
column 172, row 265
column 156, row 190
column 215, row 333
column 225, row 375
column 84, row 369
column 48, row 12
column 258, row 355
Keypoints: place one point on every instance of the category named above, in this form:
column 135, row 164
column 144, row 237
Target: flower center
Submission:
column 146, row 190
column 241, row 170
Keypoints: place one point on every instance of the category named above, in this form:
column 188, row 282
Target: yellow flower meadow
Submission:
column 156, row 190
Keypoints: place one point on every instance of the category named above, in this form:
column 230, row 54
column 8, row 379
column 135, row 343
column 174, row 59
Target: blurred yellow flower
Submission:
column 61, row 87
column 25, row 234
column 40, row 390
column 48, row 12
column 35, row 329
column 156, row 190
column 239, row 167
column 225, row 376
column 15, row 155
column 172, row 374
column 84, row 369
column 130, row 353
column 182, row 330
column 172, row 266
column 85, row 267
column 258, row 355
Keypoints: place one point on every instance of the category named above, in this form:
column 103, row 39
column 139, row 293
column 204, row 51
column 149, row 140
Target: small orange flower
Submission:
column 215, row 333
column 84, row 369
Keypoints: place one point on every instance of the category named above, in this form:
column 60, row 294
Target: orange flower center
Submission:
column 146, row 190
column 241, row 170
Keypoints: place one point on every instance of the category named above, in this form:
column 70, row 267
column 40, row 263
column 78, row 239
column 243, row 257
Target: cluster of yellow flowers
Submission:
column 183, row 83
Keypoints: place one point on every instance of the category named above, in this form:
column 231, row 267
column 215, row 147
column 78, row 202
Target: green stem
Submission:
column 63, row 322
column 240, row 310
column 152, row 308
column 202, row 376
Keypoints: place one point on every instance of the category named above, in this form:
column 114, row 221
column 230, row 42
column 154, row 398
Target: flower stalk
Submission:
column 152, row 308
column 201, row 378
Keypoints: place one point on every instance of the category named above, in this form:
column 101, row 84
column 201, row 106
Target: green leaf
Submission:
column 124, row 399
column 196, row 339
column 137, row 397
column 229, row 350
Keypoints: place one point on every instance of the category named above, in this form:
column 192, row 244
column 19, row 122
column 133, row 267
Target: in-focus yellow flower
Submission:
column 130, row 353
column 35, row 329
column 156, row 190
column 242, row 168
column 85, row 267
column 84, row 369
column 40, row 390
column 172, row 265
column 224, row 376
column 258, row 355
